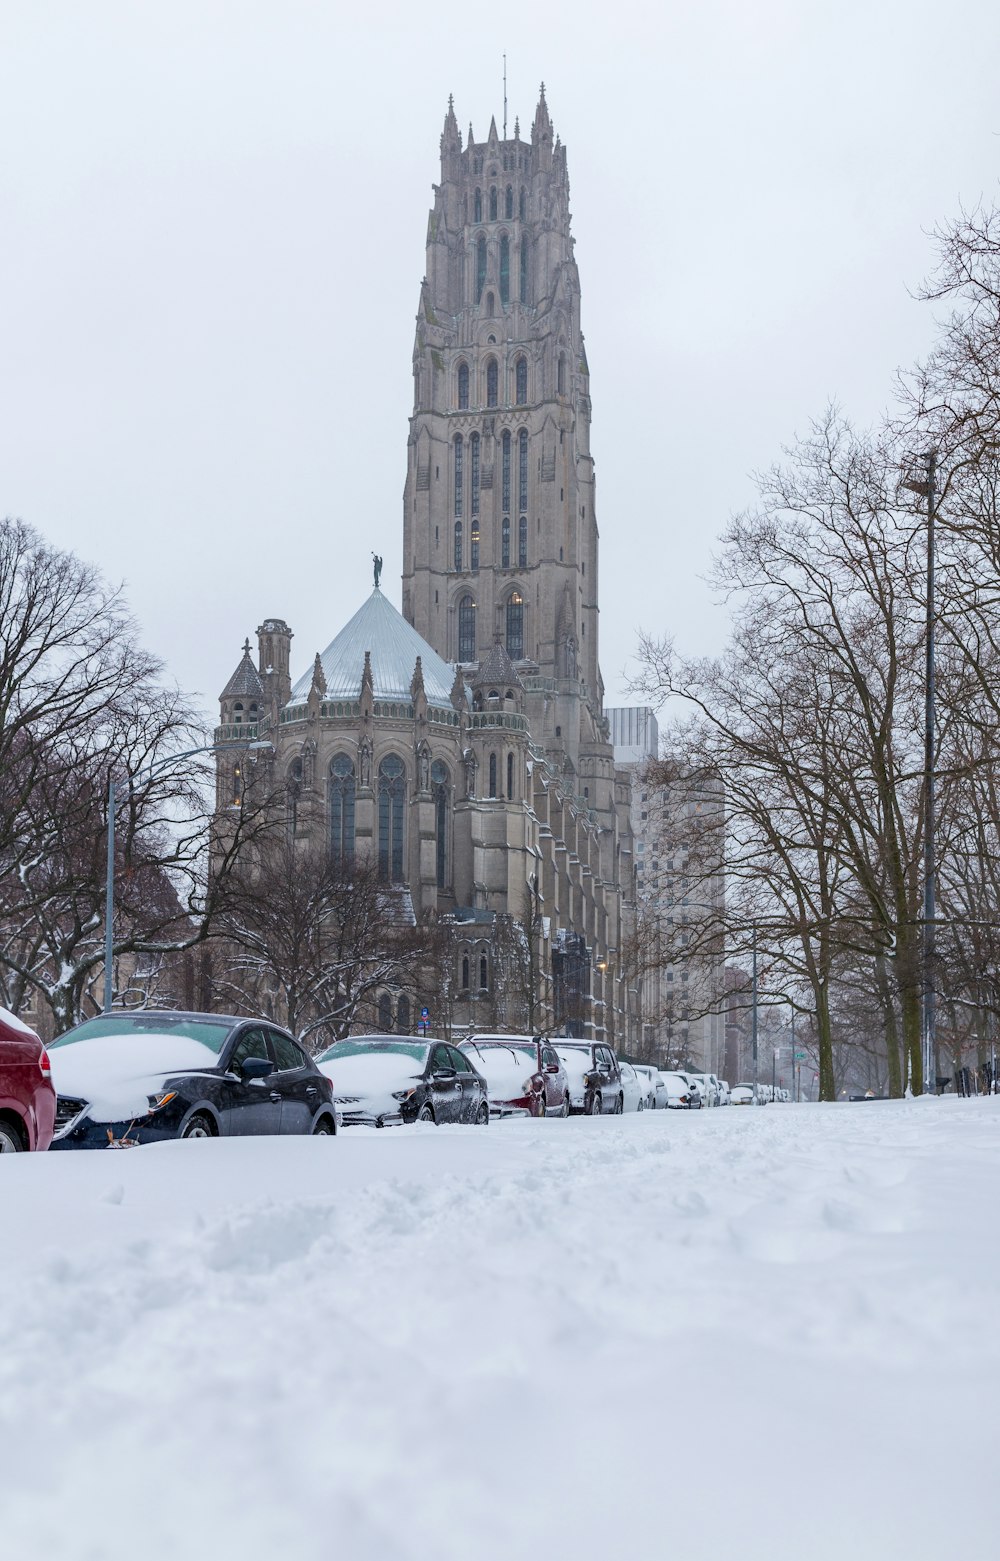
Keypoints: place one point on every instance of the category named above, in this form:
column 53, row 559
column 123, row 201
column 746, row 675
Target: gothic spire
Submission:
column 541, row 130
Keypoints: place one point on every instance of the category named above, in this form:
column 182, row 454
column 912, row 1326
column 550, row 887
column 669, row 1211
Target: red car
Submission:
column 27, row 1098
column 523, row 1073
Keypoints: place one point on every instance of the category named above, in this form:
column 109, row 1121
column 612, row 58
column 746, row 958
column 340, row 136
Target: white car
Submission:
column 633, row 1087
column 723, row 1093
column 676, row 1091
column 709, row 1086
column 647, row 1077
column 697, row 1090
column 741, row 1095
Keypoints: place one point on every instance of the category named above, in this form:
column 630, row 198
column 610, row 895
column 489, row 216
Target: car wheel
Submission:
column 11, row 1141
column 619, row 1105
column 483, row 1115
column 425, row 1114
column 324, row 1128
column 596, row 1106
column 199, row 1127
column 542, row 1109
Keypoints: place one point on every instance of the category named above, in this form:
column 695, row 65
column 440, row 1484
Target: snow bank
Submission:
column 759, row 1335
column 117, row 1073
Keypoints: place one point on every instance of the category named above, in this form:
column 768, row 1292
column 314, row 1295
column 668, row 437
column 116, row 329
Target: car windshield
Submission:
column 361, row 1048
column 210, row 1032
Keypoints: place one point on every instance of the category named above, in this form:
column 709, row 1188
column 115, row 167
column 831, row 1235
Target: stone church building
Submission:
column 463, row 742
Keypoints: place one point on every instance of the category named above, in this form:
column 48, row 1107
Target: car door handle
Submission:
column 276, row 1094
column 311, row 1089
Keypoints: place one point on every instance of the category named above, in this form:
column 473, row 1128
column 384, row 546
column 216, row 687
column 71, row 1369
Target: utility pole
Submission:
column 795, row 1084
column 753, row 1025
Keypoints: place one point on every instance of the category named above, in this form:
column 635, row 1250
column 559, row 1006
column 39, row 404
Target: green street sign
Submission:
column 800, row 1056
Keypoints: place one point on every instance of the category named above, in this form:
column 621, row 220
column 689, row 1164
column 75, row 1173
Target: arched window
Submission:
column 465, row 972
column 458, row 544
column 477, row 206
column 508, row 202
column 480, row 265
column 522, row 204
column 237, row 715
column 515, row 626
column 474, row 546
column 467, row 629
column 505, row 542
column 561, row 383
column 492, row 382
column 524, row 269
column 521, row 382
column 493, row 203
column 522, row 469
column 474, row 454
column 341, row 799
column 385, row 1013
column 293, row 788
column 522, row 542
column 510, row 777
column 489, row 309
column 403, row 1016
column 505, row 270
column 463, row 387
column 484, row 972
column 391, row 796
column 493, row 774
column 440, row 793
column 505, row 471
column 459, row 452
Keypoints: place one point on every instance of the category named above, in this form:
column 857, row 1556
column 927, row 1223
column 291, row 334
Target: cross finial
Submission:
column 246, row 647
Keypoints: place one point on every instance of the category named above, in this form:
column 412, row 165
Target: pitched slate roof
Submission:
column 245, row 682
column 394, row 645
column 497, row 669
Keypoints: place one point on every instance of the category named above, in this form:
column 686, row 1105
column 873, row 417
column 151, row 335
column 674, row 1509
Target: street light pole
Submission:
column 753, row 1024
column 109, row 904
column 926, row 488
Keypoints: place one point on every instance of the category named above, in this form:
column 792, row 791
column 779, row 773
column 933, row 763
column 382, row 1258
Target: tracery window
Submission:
column 493, row 774
column 484, row 971
column 463, row 387
column 522, row 204
column 493, row 203
column 510, row 777
column 440, row 794
column 467, row 629
column 480, row 265
column 524, row 269
column 505, row 472
column 341, row 793
column 522, row 542
column 508, row 202
column 477, row 206
column 492, row 382
column 474, row 452
column 515, row 626
column 385, row 1013
column 465, row 972
column 505, row 542
column 522, row 469
column 458, row 544
column 459, row 451
column 505, row 270
column 403, row 1016
column 521, row 382
column 391, row 796
column 474, row 546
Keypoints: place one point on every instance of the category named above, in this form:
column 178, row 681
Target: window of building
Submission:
column 515, row 626
column 505, row 270
column 458, row 544
column 463, row 387
column 474, row 546
column 493, row 775
column 508, row 202
column 474, row 453
column 385, row 1013
column 505, row 472
column 505, row 542
column 521, row 382
column 459, row 452
column 522, row 542
column 403, row 1016
column 465, row 972
column 391, row 797
column 510, row 777
column 492, row 382
column 484, row 972
column 467, row 629
column 440, row 789
column 522, row 469
column 480, row 265
column 522, row 204
column 341, row 791
column 493, row 203
column 477, row 206
column 524, row 269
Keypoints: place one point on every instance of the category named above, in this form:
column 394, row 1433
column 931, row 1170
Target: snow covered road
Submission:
column 724, row 1334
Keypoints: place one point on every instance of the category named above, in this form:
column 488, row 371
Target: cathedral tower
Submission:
column 500, row 534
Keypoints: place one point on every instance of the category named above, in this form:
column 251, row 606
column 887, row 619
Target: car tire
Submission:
column 11, row 1141
column 200, row 1126
column 619, row 1105
column 425, row 1114
column 596, row 1106
column 324, row 1129
column 542, row 1108
column 565, row 1107
column 483, row 1115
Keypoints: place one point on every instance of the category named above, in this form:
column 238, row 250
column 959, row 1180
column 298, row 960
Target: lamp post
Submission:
column 753, row 1024
column 926, row 488
column 109, row 902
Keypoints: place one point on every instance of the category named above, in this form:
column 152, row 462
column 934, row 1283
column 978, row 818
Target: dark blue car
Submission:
column 146, row 1075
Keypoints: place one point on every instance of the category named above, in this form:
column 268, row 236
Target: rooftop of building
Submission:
column 393, row 645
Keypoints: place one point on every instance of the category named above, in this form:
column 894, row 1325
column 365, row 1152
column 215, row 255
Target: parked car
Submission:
column 677, row 1093
column 741, row 1095
column 709, row 1086
column 27, row 1098
column 140, row 1077
column 697, row 1090
column 382, row 1080
column 523, row 1073
column 595, row 1085
column 723, row 1093
column 634, row 1087
column 649, row 1075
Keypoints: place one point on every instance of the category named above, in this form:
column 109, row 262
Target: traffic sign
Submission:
column 800, row 1056
column 425, row 1013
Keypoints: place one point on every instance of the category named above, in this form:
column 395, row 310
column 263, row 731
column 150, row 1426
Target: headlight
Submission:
column 403, row 1094
column 157, row 1102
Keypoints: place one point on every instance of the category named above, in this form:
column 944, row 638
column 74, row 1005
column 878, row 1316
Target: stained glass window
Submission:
column 474, row 452
column 505, row 471
column 522, row 542
column 467, row 629
column 521, row 380
column 515, row 626
column 493, row 774
column 458, row 544
column 474, row 546
column 492, row 382
column 439, row 792
column 391, row 796
column 458, row 474
column 524, row 269
column 480, row 266
column 463, row 387
column 505, row 543
column 522, row 469
column 341, row 797
column 505, row 270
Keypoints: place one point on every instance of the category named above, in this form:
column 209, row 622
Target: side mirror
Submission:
column 444, row 1073
column 552, row 1067
column 252, row 1068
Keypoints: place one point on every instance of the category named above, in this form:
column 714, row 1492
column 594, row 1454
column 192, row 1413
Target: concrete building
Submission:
column 463, row 742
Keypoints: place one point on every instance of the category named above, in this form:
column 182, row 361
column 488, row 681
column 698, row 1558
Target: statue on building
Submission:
column 377, row 563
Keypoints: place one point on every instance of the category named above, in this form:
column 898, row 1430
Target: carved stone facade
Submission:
column 466, row 737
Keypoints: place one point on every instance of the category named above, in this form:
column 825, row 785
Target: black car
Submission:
column 384, row 1079
column 595, row 1080
column 144, row 1076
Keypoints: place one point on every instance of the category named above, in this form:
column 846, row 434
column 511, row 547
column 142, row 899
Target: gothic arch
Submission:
column 341, row 796
column 391, row 792
column 462, row 386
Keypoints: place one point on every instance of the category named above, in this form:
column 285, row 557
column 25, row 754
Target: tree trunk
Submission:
column 824, row 1037
column 891, row 1028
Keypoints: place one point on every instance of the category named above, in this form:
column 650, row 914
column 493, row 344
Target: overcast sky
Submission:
column 213, row 225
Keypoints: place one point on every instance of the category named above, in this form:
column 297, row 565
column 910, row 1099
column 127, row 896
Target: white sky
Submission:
column 213, row 221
